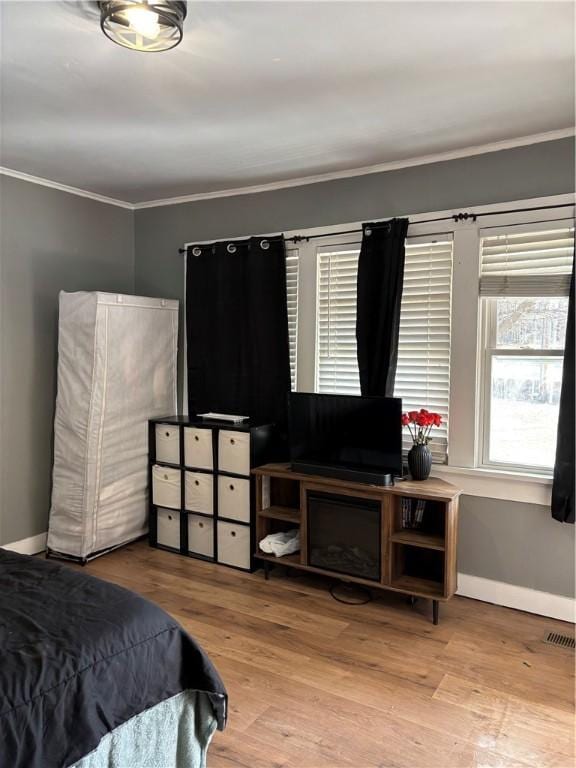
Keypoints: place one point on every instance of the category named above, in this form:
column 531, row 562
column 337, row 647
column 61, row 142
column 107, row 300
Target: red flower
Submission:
column 422, row 420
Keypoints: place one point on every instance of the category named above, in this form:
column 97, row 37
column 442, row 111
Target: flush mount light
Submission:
column 143, row 26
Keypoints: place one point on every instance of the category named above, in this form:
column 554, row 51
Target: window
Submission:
column 292, row 265
column 423, row 372
column 524, row 284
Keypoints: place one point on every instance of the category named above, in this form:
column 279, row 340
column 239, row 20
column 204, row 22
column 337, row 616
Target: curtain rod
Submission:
column 456, row 217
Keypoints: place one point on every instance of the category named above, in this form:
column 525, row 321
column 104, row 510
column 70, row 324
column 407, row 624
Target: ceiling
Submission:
column 262, row 92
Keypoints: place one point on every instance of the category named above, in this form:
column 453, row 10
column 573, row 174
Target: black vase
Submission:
column 419, row 462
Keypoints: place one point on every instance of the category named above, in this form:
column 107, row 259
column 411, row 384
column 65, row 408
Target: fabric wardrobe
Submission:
column 116, row 369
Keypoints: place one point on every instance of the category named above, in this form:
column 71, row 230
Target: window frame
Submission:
column 488, row 311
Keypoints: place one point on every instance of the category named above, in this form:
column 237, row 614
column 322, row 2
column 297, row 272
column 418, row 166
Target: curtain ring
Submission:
column 196, row 251
column 367, row 231
column 231, row 248
column 264, row 244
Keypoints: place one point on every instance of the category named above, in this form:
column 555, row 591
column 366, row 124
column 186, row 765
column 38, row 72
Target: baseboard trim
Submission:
column 520, row 598
column 30, row 546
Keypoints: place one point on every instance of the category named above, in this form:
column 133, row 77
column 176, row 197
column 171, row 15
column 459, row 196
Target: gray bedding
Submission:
column 173, row 734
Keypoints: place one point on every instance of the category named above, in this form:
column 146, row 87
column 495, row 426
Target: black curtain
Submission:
column 237, row 329
column 563, row 484
column 380, row 281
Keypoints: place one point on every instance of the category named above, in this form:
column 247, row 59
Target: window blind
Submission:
column 532, row 262
column 423, row 372
column 292, row 266
column 337, row 363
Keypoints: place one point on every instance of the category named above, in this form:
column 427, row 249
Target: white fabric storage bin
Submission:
column 166, row 487
column 234, row 545
column 116, row 371
column 234, row 452
column 201, row 535
column 167, row 438
column 199, row 492
column 234, row 498
column 168, row 528
column 198, row 448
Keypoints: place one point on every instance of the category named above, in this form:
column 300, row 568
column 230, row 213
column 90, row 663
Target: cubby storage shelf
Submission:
column 202, row 497
column 418, row 539
column 281, row 513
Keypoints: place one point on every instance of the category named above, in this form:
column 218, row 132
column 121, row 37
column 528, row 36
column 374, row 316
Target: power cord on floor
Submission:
column 357, row 594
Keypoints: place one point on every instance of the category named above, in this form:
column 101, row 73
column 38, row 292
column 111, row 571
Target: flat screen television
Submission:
column 346, row 436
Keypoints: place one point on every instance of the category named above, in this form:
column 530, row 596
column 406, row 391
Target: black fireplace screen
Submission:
column 344, row 535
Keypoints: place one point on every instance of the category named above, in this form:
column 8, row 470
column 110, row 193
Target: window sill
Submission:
column 497, row 484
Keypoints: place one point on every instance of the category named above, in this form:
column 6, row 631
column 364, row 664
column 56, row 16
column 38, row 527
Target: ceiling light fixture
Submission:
column 141, row 25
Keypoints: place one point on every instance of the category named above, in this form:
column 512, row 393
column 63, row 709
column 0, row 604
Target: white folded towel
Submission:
column 283, row 543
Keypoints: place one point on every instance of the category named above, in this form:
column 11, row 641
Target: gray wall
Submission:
column 513, row 174
column 49, row 241
column 507, row 541
column 516, row 543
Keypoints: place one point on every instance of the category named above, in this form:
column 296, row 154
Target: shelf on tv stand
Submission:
column 417, row 539
column 420, row 562
column 433, row 488
column 417, row 586
column 288, row 560
column 280, row 513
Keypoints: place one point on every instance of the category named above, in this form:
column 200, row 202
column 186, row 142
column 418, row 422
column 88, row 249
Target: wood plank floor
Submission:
column 317, row 684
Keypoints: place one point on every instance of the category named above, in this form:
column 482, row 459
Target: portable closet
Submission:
column 116, row 370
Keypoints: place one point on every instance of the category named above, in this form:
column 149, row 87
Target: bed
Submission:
column 92, row 675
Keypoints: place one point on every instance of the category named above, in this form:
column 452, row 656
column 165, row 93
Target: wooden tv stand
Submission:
column 418, row 560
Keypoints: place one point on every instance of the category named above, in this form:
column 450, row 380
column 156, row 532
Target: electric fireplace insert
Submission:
column 344, row 534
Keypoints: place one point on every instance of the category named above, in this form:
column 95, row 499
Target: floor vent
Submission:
column 564, row 641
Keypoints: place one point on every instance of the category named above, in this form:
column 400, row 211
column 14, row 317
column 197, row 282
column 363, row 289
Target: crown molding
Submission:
column 394, row 165
column 65, row 188
column 365, row 171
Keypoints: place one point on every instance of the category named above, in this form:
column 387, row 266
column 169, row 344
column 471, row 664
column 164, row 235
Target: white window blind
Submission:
column 529, row 261
column 292, row 265
column 337, row 363
column 423, row 372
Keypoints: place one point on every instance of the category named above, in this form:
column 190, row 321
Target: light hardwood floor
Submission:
column 317, row 684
